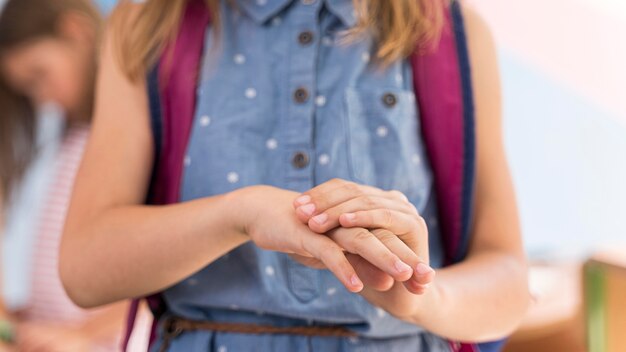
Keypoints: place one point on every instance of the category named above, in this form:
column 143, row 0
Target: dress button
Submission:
column 301, row 95
column 300, row 160
column 390, row 100
column 305, row 38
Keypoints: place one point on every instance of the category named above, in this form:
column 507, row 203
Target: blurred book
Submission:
column 605, row 301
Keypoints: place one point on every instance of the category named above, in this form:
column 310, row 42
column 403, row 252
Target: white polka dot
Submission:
column 309, row 322
column 380, row 312
column 192, row 282
column 320, row 100
column 353, row 339
column 276, row 21
column 261, row 2
column 259, row 312
column 232, row 177
column 328, row 41
column 222, row 349
column 382, row 131
column 365, row 57
column 416, row 159
column 433, row 221
column 205, row 121
column 308, row 2
column 239, row 59
column 331, row 291
column 399, row 79
column 234, row 307
column 271, row 144
column 250, row 93
column 187, row 160
column 324, row 159
column 269, row 270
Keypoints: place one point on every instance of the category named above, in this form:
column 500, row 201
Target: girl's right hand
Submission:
column 267, row 216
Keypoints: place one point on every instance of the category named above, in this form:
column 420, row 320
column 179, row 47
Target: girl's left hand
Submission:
column 387, row 215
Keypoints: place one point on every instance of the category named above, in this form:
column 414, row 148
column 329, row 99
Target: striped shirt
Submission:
column 48, row 300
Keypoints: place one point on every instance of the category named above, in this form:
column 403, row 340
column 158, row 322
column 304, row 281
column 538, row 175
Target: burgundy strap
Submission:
column 438, row 87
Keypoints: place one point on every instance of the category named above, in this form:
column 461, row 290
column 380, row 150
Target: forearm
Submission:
column 480, row 299
column 131, row 251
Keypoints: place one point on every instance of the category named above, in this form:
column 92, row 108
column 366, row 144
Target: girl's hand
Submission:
column 398, row 232
column 266, row 215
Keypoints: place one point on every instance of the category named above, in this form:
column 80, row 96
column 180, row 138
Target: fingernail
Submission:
column 320, row 219
column 355, row 281
column 423, row 269
column 308, row 209
column 402, row 267
column 303, row 199
column 349, row 216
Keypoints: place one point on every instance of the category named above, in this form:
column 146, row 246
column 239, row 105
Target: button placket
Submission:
column 299, row 119
column 297, row 142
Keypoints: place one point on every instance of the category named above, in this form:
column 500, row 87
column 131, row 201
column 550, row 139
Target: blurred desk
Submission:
column 555, row 320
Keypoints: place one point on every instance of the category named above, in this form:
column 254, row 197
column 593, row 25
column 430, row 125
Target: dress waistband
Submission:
column 174, row 326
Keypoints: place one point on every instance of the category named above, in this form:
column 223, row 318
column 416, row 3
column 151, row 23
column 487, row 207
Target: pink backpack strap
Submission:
column 442, row 82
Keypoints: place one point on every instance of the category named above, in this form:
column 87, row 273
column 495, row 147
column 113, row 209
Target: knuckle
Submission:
column 387, row 218
column 399, row 195
column 359, row 242
column 336, row 181
column 352, row 188
column 367, row 201
column 386, row 237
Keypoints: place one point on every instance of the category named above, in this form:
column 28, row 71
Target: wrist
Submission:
column 431, row 303
column 239, row 207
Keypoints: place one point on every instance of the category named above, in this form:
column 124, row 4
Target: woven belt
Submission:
column 173, row 327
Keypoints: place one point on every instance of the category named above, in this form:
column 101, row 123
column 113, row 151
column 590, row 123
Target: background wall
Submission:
column 564, row 81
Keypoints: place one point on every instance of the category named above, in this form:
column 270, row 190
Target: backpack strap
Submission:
column 442, row 83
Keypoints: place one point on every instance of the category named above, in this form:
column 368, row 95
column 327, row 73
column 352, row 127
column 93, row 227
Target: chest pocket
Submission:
column 384, row 140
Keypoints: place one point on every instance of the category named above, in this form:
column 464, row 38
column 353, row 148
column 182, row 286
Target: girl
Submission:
column 47, row 54
column 303, row 209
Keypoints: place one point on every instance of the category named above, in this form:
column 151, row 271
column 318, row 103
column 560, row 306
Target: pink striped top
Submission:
column 48, row 300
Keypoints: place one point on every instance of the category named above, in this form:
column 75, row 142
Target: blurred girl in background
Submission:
column 48, row 51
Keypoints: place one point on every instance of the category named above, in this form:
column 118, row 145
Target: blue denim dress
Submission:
column 284, row 100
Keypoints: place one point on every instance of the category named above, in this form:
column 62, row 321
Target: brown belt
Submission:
column 173, row 327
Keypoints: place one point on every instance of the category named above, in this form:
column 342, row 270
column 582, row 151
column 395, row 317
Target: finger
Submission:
column 415, row 288
column 333, row 257
column 362, row 242
column 372, row 276
column 329, row 219
column 393, row 220
column 334, row 192
column 423, row 274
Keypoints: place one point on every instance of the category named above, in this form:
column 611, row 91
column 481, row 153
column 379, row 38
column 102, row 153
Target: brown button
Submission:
column 305, row 38
column 390, row 100
column 300, row 160
column 301, row 95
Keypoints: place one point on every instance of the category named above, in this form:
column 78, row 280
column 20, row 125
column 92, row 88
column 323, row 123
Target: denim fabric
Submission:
column 284, row 100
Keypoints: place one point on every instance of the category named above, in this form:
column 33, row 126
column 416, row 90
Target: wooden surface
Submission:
column 555, row 319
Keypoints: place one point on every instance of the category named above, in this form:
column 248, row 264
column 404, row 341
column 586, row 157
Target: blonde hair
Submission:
column 399, row 27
